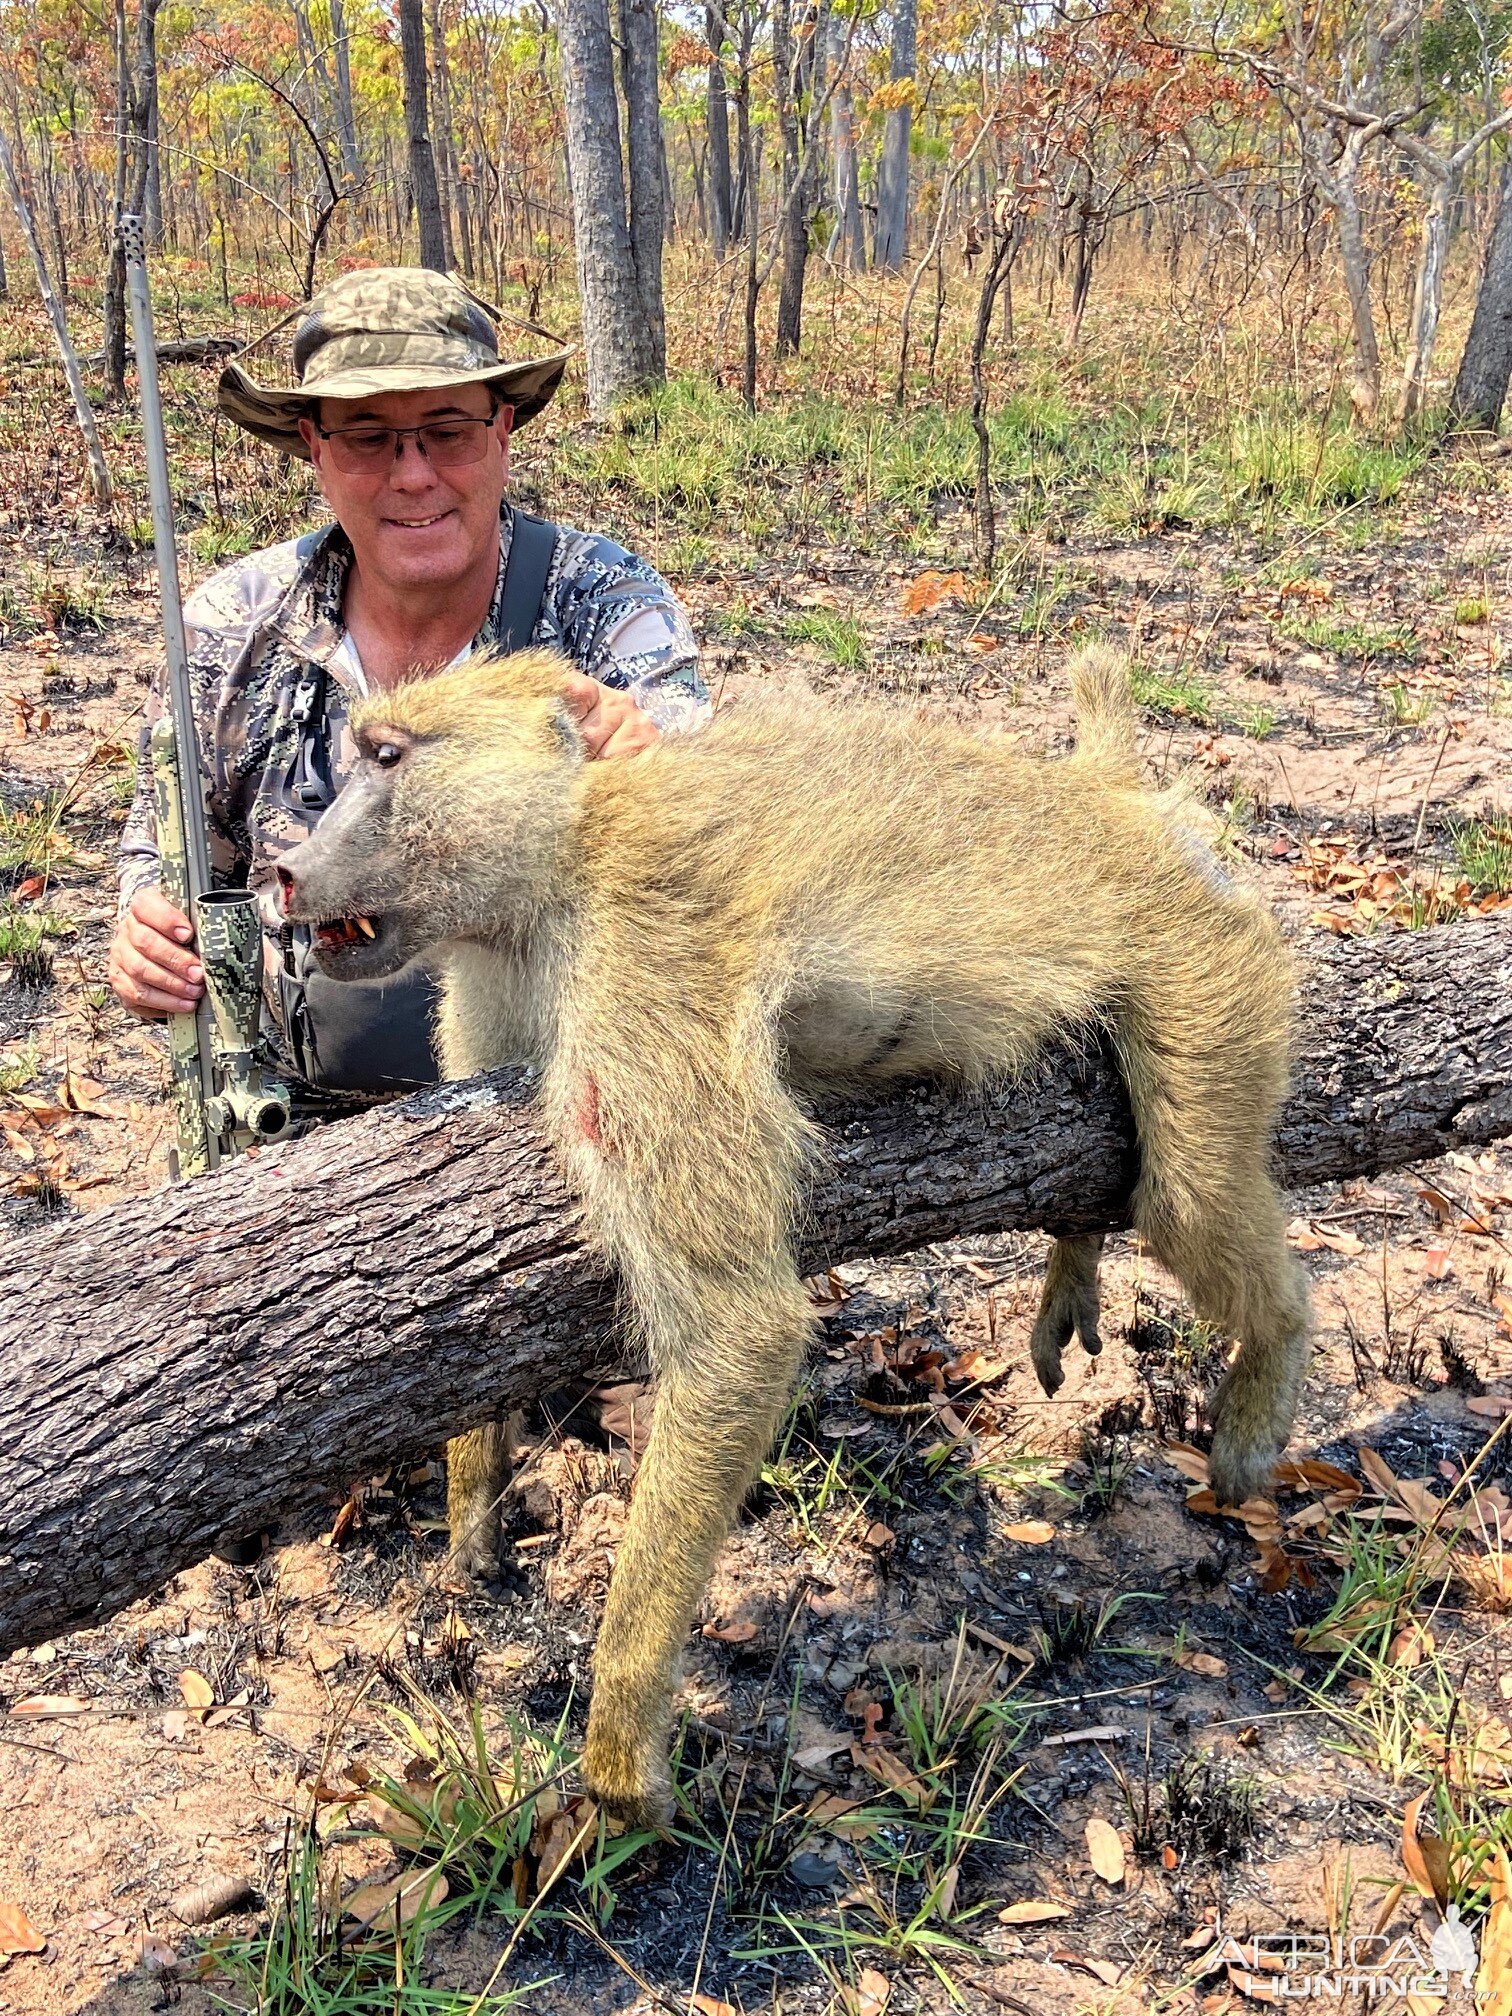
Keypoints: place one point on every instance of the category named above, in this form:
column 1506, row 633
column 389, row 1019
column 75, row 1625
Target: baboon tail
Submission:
column 1104, row 706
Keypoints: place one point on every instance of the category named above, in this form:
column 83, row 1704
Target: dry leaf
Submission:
column 154, row 1955
column 575, row 1821
column 1030, row 1532
column 877, row 1535
column 17, row 1932
column 1207, row 1663
column 1104, row 1849
column 869, row 1995
column 1495, row 1978
column 375, row 1905
column 1494, row 1406
column 710, row 2005
column 1033, row 1911
column 43, row 1706
column 216, row 1897
column 740, row 1632
column 1436, row 1263
column 928, row 590
column 1377, row 1470
column 1425, row 1858
column 1189, row 1461
column 197, row 1692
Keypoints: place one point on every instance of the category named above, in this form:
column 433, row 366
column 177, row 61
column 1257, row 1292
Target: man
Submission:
column 405, row 409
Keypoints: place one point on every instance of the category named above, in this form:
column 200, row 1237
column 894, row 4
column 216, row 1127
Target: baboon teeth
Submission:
column 366, row 926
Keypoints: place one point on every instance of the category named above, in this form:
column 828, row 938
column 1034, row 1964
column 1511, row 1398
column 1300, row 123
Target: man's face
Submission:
column 412, row 524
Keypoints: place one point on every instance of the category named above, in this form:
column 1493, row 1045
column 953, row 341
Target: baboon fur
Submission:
column 798, row 898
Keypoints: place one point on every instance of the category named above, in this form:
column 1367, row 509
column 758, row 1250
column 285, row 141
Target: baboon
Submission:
column 802, row 898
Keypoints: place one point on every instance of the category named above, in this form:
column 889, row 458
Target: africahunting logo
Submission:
column 1298, row 1966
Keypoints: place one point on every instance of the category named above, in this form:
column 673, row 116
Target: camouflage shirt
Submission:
column 257, row 629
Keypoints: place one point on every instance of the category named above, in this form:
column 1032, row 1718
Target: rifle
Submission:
column 222, row 1101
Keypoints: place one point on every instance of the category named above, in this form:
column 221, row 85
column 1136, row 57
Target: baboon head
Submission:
column 451, row 825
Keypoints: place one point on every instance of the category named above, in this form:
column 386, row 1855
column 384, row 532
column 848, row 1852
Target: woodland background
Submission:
column 918, row 342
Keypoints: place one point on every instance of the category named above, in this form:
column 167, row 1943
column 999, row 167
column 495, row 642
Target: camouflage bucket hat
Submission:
column 387, row 329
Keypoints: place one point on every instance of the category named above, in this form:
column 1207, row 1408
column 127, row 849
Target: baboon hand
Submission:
column 625, row 1759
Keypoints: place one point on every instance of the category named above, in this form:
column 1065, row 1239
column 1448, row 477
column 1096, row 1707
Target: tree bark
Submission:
column 422, row 161
column 891, row 242
column 615, row 347
column 346, row 116
column 645, row 159
column 191, row 1364
column 721, row 193
column 440, row 105
column 848, row 239
column 1480, row 387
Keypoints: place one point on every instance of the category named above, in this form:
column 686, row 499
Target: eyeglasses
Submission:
column 446, row 443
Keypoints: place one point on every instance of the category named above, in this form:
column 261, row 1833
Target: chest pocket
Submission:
column 375, row 1036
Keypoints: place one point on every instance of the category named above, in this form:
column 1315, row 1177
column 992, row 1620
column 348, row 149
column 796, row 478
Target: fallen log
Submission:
column 195, row 1363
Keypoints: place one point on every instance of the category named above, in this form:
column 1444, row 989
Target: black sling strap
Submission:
column 374, row 1036
column 532, row 542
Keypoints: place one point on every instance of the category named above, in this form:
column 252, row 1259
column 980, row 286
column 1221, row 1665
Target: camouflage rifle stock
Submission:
column 222, row 1101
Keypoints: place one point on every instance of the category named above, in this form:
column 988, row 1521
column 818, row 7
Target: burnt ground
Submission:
column 950, row 1633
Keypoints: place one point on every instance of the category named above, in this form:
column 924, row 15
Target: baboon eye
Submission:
column 387, row 754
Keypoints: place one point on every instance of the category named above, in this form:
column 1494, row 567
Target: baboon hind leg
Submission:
column 1068, row 1303
column 478, row 1465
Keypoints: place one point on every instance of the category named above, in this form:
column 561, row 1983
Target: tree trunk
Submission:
column 440, row 101
column 99, row 475
column 180, row 1368
column 891, row 245
column 721, row 206
column 114, row 302
column 1480, row 389
column 648, row 209
column 424, row 190
column 1366, row 390
column 346, row 117
column 848, row 240
column 794, row 220
column 615, row 346
column 1427, row 297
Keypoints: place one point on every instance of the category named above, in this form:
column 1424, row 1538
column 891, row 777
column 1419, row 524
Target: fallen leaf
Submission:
column 154, row 1955
column 196, row 1690
column 1030, row 1532
column 740, row 1632
column 1104, row 1849
column 17, row 1932
column 1104, row 1970
column 1436, row 1263
column 928, row 590
column 30, row 888
column 1495, row 1978
column 879, row 1536
column 1377, row 1470
column 869, row 1995
column 1103, row 1732
column 104, row 1924
column 1033, row 1911
column 1424, row 1857
column 710, row 2005
column 1494, row 1406
column 814, row 1756
column 42, row 1706
column 1207, row 1663
column 1189, row 1461
column 375, row 1906
column 216, row 1897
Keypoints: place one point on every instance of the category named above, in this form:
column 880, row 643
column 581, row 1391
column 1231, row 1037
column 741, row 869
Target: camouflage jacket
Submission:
column 257, row 628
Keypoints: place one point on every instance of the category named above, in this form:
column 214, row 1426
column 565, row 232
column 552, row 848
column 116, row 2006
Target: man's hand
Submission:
column 609, row 722
column 154, row 968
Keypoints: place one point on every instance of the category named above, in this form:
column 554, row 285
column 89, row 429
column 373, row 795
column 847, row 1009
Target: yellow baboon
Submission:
column 799, row 898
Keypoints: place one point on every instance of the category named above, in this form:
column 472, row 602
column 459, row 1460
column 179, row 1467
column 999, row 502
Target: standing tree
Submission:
column 891, row 246
column 621, row 343
column 647, row 166
column 1480, row 387
column 721, row 193
column 422, row 162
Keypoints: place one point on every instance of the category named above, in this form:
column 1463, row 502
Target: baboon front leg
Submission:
column 1068, row 1302
column 716, row 1412
column 477, row 1475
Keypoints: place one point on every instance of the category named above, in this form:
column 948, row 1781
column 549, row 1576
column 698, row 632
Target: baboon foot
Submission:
column 475, row 1543
column 1248, row 1439
column 1069, row 1305
column 625, row 1763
